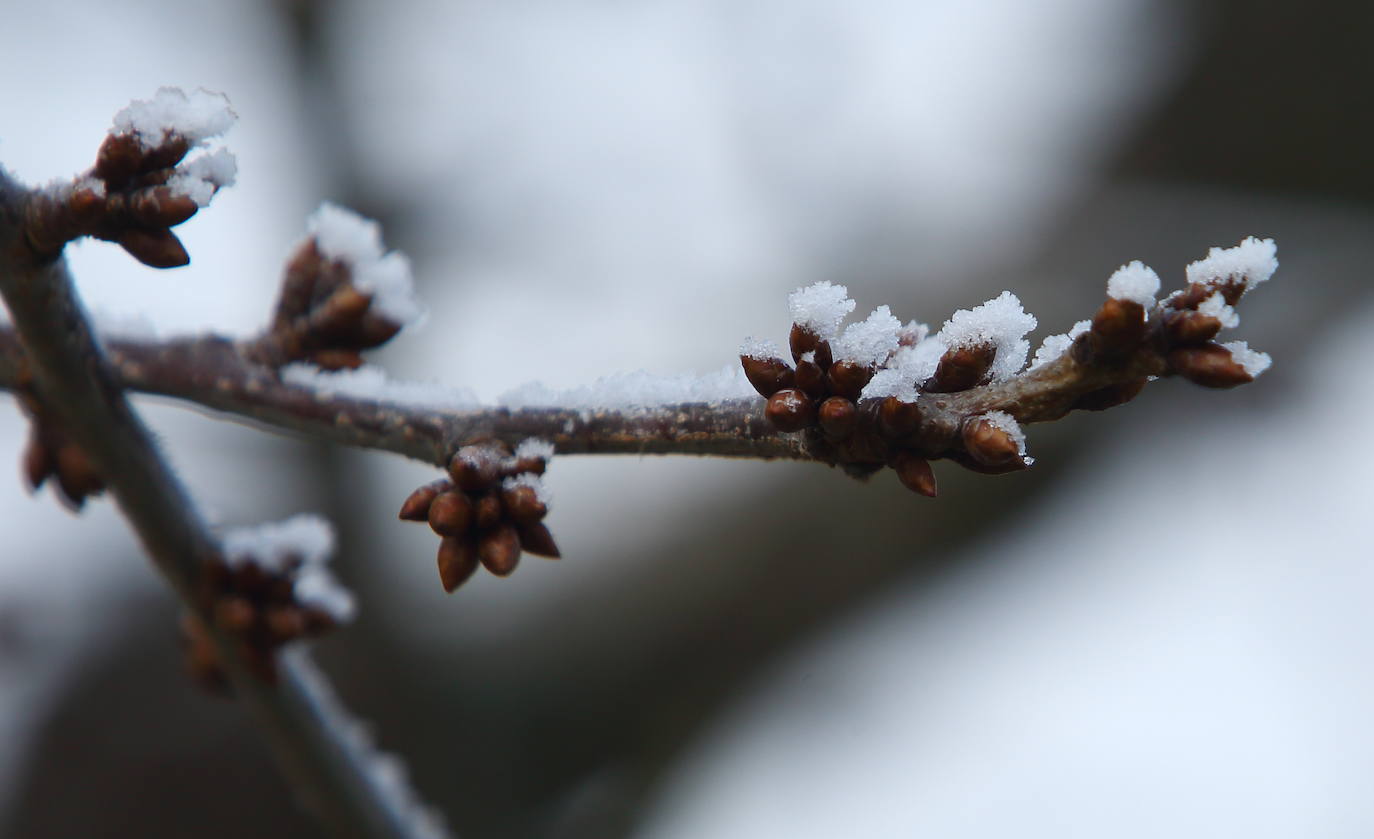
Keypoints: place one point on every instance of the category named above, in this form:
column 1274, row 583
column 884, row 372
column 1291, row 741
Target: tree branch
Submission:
column 72, row 377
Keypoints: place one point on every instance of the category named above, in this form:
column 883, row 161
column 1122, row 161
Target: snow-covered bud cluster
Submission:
column 50, row 454
column 882, row 394
column 140, row 187
column 342, row 293
column 270, row 587
column 489, row 510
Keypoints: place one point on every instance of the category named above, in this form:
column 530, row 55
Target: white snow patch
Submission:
column 307, row 537
column 1216, row 307
column 1056, row 345
column 372, row 383
column 905, row 372
column 760, row 348
column 1253, row 361
column 820, row 308
column 534, row 447
column 199, row 178
column 531, row 480
column 639, row 389
column 1253, row 260
column 197, row 117
column 870, row 341
column 1135, row 282
column 1001, row 322
column 913, row 332
column 344, row 235
column 1006, row 422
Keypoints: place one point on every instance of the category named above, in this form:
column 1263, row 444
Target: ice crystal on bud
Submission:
column 531, row 480
column 1215, row 306
column 344, row 235
column 870, row 341
column 534, row 447
column 197, row 117
column 306, row 537
column 905, row 372
column 1253, row 261
column 760, row 348
column 198, row 179
column 820, row 308
column 1001, row 322
column 1253, row 361
column 1056, row 345
column 1135, row 282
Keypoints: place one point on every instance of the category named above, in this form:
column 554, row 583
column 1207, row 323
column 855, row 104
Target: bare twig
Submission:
column 71, row 375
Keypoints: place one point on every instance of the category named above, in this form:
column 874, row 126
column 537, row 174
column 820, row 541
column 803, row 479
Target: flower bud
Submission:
column 154, row 248
column 897, row 419
column 803, row 341
column 235, row 614
column 848, row 379
column 990, row 444
column 39, row 462
column 536, row 539
column 451, row 513
column 474, row 468
column 767, row 375
column 790, row 410
column 457, row 560
column 160, row 207
column 487, row 512
column 1118, row 327
column 961, row 368
column 915, row 473
column 416, row 506
column 522, row 504
column 1189, row 328
column 1210, row 365
column 118, row 159
column 838, row 417
column 499, row 550
column 810, row 379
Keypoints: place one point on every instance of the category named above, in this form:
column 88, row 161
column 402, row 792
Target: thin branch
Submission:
column 73, row 380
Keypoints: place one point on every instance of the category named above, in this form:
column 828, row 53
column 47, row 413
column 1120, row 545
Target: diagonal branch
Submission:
column 71, row 375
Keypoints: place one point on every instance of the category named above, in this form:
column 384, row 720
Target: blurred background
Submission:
column 1164, row 628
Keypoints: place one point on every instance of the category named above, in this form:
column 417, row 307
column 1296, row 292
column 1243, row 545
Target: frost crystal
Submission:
column 348, row 237
column 1056, row 345
column 820, row 308
column 870, row 341
column 1253, row 361
column 905, row 372
column 1135, row 282
column 198, row 179
column 1216, row 307
column 1006, row 422
column 1253, row 260
column 197, row 117
column 307, row 537
column 372, row 383
column 1000, row 322
column 534, row 447
column 639, row 389
column 759, row 348
column 531, row 480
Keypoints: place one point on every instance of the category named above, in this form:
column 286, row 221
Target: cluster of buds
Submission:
column 50, row 454
column 883, row 394
column 489, row 510
column 269, row 589
column 139, row 187
column 341, row 295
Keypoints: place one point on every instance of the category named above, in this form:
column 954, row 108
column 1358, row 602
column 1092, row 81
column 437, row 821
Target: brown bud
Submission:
column 961, row 368
column 284, row 623
column 915, row 473
column 457, row 561
column 848, row 379
column 536, row 539
column 896, row 418
column 990, row 445
column 487, row 511
column 120, row 156
column 1118, row 327
column 234, row 613
column 451, row 513
column 76, row 477
column 39, row 462
column 499, row 550
column 249, row 579
column 803, row 340
column 1191, row 297
column 416, row 506
column 341, row 309
column 810, row 379
column 522, row 504
column 838, row 417
column 1190, row 328
column 767, row 375
column 1111, row 396
column 160, row 207
column 376, row 329
column 86, row 206
column 168, row 152
column 336, row 359
column 790, row 410
column 154, row 248
column 474, row 468
column 1209, row 365
column 533, row 465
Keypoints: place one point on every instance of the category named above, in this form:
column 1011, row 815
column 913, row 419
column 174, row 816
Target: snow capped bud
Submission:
column 803, row 341
column 790, row 410
column 416, row 506
column 1210, row 365
column 1190, row 327
column 154, row 248
column 896, row 418
column 499, row 550
column 450, row 513
column 962, row 368
column 160, row 207
column 915, row 473
column 995, row 440
column 838, row 417
column 523, row 498
column 475, row 468
column 1232, row 271
column 848, row 378
column 536, row 539
column 1118, row 327
column 810, row 377
column 119, row 159
column 767, row 375
column 457, row 560
column 1111, row 396
column 1135, row 282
